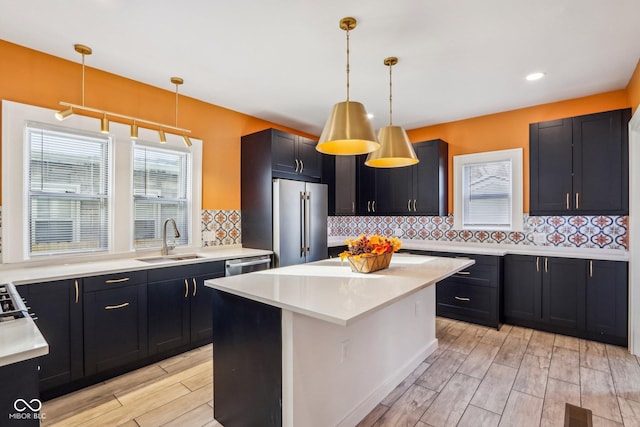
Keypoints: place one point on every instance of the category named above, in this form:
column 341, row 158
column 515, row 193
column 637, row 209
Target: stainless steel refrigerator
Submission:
column 299, row 222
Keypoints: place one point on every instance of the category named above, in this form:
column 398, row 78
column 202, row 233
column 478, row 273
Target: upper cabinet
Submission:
column 294, row 157
column 580, row 165
column 420, row 189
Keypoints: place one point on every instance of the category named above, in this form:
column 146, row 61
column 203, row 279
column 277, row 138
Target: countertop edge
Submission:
column 23, row 350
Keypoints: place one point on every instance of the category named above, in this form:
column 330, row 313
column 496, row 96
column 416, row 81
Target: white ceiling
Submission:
column 284, row 60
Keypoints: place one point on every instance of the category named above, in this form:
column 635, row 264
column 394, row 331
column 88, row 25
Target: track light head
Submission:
column 186, row 140
column 63, row 114
column 134, row 131
column 104, row 124
column 163, row 138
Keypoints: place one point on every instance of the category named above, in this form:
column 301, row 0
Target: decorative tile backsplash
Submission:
column 604, row 232
column 220, row 228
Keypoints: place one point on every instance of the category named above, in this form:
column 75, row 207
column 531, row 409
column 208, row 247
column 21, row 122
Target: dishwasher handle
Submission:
column 248, row 263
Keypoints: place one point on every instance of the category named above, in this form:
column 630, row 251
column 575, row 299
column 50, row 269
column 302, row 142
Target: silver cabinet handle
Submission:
column 414, row 204
column 124, row 279
column 537, row 263
column 186, row 288
column 577, row 200
column 463, row 299
column 373, row 206
column 409, row 205
column 546, row 265
column 590, row 268
column 368, row 205
column 353, row 207
column 195, row 286
column 466, row 273
column 114, row 307
column 297, row 165
column 567, row 201
column 301, row 166
column 77, row 292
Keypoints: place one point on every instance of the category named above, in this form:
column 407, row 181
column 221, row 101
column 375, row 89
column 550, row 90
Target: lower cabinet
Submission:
column 57, row 306
column 583, row 298
column 115, row 321
column 180, row 306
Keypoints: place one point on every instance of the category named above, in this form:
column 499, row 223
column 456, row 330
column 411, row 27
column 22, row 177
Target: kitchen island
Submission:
column 318, row 345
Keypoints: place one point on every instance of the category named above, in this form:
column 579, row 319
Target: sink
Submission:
column 170, row 258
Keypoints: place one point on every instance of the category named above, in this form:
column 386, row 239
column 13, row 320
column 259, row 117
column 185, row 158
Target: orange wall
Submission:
column 35, row 78
column 633, row 88
column 511, row 129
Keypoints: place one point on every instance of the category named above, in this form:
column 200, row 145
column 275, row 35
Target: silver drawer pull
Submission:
column 124, row 304
column 463, row 299
column 464, row 272
column 124, row 279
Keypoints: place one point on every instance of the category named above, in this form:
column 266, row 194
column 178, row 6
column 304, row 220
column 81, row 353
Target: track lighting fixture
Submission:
column 106, row 116
column 396, row 149
column 63, row 114
column 348, row 130
column 104, row 124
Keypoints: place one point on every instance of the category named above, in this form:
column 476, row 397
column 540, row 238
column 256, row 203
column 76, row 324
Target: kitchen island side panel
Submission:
column 247, row 369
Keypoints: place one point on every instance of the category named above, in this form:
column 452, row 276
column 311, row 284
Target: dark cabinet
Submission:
column 583, row 298
column 580, row 165
column 607, row 298
column 339, row 173
column 180, row 306
column 419, row 189
column 58, row 309
column 19, row 394
column 293, row 156
column 115, row 320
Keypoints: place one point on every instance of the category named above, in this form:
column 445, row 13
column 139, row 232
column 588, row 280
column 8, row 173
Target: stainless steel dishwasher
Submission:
column 233, row 267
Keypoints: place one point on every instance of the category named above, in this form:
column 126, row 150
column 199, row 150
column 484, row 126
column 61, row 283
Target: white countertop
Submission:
column 505, row 249
column 33, row 272
column 20, row 340
column 330, row 291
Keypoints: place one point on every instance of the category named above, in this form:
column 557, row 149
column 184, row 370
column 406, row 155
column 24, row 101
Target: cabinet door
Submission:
column 366, row 187
column 283, row 152
column 600, row 163
column 345, row 185
column 115, row 327
column 310, row 159
column 58, row 308
column 607, row 298
column 395, row 190
column 563, row 293
column 550, row 145
column 168, row 303
column 430, row 178
column 523, row 287
column 202, row 309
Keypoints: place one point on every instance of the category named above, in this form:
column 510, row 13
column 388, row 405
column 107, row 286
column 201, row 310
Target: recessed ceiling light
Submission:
column 369, row 116
column 534, row 76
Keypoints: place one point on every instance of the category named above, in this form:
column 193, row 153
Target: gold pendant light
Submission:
column 395, row 148
column 348, row 130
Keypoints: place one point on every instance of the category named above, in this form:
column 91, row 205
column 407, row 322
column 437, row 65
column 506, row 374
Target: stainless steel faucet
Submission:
column 166, row 248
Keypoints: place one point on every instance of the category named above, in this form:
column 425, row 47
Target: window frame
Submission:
column 515, row 157
column 14, row 197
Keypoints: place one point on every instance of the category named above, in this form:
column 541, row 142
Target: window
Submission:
column 488, row 190
column 68, row 190
column 160, row 189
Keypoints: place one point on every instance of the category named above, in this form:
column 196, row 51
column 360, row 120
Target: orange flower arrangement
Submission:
column 368, row 246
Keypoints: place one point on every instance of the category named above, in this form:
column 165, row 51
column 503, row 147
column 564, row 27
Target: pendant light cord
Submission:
column 83, row 79
column 348, row 68
column 390, row 97
column 177, row 104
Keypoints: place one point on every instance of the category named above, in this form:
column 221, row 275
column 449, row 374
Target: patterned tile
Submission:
column 604, row 232
column 220, row 227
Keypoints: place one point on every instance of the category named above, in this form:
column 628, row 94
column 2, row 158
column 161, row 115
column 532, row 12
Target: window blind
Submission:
column 160, row 191
column 487, row 195
column 68, row 187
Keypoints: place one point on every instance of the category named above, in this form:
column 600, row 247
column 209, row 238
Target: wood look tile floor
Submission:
column 477, row 377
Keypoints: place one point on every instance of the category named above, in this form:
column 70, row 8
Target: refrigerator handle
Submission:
column 307, row 225
column 302, row 223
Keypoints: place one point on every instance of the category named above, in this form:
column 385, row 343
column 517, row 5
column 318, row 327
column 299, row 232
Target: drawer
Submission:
column 487, row 266
column 114, row 280
column 456, row 297
column 215, row 269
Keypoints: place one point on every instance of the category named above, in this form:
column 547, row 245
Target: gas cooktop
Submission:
column 11, row 305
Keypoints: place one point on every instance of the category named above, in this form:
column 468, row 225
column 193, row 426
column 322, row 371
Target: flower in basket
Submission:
column 367, row 246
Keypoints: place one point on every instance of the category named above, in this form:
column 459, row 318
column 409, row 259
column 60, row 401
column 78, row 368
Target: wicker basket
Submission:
column 369, row 264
